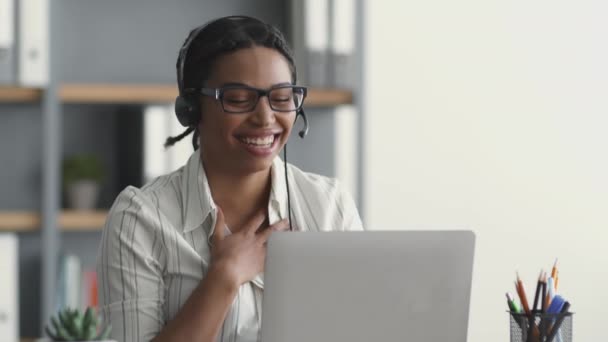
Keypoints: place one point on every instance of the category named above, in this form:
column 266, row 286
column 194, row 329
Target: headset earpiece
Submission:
column 187, row 106
column 187, row 110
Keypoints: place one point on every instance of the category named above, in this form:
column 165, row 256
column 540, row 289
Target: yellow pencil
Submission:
column 554, row 270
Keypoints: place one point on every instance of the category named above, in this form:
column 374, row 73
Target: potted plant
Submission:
column 72, row 325
column 81, row 177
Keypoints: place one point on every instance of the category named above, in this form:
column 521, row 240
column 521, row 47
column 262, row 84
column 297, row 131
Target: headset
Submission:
column 187, row 105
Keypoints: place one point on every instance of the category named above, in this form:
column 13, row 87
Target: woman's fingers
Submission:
column 220, row 227
column 277, row 227
column 255, row 222
column 280, row 226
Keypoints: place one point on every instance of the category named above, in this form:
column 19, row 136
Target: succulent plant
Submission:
column 72, row 325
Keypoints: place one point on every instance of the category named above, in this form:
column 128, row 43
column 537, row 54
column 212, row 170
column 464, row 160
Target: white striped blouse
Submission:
column 155, row 247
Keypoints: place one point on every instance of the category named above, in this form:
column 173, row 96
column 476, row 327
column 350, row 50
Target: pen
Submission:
column 553, row 311
column 513, row 304
column 556, row 305
column 514, row 310
column 550, row 291
column 538, row 290
column 543, row 306
column 543, row 284
column 559, row 322
column 533, row 328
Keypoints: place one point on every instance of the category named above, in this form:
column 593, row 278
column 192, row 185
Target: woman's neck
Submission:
column 239, row 195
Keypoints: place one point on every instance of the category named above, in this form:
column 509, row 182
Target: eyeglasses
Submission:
column 243, row 99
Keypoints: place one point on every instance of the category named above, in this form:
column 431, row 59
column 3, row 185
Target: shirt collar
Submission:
column 196, row 195
column 198, row 204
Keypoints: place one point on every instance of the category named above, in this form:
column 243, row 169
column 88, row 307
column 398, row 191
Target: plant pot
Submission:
column 82, row 194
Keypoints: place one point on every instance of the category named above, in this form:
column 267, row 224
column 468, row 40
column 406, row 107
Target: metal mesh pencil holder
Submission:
column 541, row 327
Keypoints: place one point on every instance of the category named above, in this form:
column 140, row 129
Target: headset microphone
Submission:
column 304, row 130
column 302, row 133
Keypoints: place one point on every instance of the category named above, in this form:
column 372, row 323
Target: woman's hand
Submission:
column 240, row 256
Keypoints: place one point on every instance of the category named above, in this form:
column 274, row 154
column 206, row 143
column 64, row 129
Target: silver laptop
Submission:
column 368, row 286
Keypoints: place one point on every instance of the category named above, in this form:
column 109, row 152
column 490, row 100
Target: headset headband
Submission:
column 183, row 52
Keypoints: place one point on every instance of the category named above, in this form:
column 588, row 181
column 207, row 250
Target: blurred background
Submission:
column 481, row 115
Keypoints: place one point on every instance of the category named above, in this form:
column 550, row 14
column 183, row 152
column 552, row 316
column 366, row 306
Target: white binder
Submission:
column 33, row 43
column 343, row 63
column 7, row 41
column 310, row 41
column 9, row 275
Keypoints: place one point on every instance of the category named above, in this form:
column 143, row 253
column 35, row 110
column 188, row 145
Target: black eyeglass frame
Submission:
column 218, row 95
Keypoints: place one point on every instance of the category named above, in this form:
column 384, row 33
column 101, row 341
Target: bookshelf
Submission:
column 85, row 83
column 68, row 220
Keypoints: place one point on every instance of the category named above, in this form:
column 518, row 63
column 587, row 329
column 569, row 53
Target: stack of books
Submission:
column 77, row 288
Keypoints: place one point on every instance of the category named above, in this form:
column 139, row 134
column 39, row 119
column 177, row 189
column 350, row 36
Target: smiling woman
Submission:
column 182, row 258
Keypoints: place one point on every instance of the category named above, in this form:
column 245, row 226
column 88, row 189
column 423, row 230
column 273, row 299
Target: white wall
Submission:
column 345, row 139
column 494, row 116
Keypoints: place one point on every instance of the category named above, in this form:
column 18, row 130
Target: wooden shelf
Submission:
column 19, row 94
column 82, row 220
column 142, row 93
column 146, row 93
column 115, row 93
column 327, row 97
column 28, row 221
column 19, row 221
